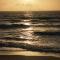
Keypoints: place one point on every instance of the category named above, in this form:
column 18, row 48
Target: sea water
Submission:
column 35, row 33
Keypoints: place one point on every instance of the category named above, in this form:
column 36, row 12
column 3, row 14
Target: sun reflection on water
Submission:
column 27, row 24
column 28, row 42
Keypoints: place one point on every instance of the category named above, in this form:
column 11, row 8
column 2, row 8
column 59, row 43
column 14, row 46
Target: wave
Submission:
column 31, row 47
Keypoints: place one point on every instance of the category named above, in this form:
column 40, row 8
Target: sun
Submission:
column 27, row 1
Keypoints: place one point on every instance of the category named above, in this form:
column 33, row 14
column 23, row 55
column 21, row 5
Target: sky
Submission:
column 29, row 5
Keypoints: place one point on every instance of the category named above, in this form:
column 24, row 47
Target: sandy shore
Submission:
column 10, row 57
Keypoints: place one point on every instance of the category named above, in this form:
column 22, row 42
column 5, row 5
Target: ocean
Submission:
column 30, row 33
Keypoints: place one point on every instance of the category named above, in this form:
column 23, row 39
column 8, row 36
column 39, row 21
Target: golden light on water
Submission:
column 26, row 23
column 28, row 42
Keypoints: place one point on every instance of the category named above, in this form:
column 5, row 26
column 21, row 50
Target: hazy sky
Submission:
column 28, row 5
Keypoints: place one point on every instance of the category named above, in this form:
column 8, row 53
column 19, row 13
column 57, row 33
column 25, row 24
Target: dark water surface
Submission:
column 30, row 33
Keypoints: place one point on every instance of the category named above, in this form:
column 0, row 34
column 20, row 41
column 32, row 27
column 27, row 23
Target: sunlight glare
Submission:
column 27, row 1
column 28, row 42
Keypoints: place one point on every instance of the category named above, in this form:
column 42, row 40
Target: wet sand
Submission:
column 17, row 57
